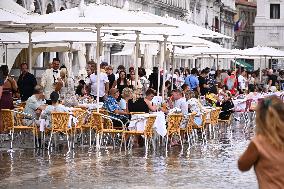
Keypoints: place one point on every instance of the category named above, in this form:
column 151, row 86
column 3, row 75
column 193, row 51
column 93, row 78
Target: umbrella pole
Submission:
column 137, row 58
column 173, row 67
column 30, row 48
column 98, row 64
column 265, row 61
column 260, row 69
column 217, row 62
column 164, row 66
column 159, row 68
column 6, row 54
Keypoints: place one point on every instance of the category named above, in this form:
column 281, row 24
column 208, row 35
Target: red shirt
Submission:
column 233, row 90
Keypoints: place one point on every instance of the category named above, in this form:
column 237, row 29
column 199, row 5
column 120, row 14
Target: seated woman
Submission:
column 196, row 106
column 143, row 104
column 81, row 89
column 126, row 96
column 227, row 106
column 54, row 107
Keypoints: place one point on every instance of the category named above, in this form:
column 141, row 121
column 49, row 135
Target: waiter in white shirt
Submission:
column 50, row 77
column 104, row 85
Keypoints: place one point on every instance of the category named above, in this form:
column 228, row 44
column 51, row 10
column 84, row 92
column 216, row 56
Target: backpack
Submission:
column 230, row 83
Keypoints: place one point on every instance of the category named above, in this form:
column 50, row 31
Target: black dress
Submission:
column 138, row 106
column 227, row 109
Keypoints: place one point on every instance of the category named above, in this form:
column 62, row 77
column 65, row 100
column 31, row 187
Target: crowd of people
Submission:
column 186, row 90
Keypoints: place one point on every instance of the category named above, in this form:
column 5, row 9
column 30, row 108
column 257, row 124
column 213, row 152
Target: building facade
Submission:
column 269, row 27
column 244, row 19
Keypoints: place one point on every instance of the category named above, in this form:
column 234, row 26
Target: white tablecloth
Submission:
column 240, row 104
column 91, row 106
column 159, row 125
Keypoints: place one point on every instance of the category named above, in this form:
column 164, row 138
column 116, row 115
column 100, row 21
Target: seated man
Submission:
column 180, row 101
column 34, row 106
column 54, row 107
column 113, row 107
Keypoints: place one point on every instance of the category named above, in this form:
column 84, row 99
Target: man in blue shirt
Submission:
column 115, row 110
column 192, row 81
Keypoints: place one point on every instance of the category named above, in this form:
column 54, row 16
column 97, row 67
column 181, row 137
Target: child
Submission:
column 266, row 150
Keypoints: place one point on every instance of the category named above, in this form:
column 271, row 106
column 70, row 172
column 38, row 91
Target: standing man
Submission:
column 50, row 77
column 242, row 82
column 26, row 83
column 193, row 82
column 272, row 79
column 104, row 85
column 110, row 75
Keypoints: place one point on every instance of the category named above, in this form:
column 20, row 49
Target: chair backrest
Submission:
column 80, row 114
column 7, row 119
column 107, row 123
column 215, row 115
column 132, row 113
column 60, row 120
column 190, row 121
column 19, row 117
column 148, row 131
column 248, row 104
column 97, row 121
column 174, row 121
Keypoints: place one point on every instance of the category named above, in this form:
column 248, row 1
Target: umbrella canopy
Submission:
column 91, row 15
column 194, row 51
column 58, row 37
column 183, row 27
column 260, row 51
column 185, row 40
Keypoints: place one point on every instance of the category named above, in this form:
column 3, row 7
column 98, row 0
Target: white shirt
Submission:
column 182, row 104
column 103, row 81
column 242, row 82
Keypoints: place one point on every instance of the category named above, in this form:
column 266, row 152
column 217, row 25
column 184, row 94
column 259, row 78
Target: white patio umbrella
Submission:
column 183, row 27
column 93, row 15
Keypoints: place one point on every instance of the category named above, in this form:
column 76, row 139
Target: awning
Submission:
column 244, row 64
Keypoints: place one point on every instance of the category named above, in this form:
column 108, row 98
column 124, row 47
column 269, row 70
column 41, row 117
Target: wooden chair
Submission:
column 189, row 127
column 101, row 129
column 226, row 122
column 213, row 121
column 174, row 121
column 80, row 115
column 147, row 133
column 59, row 124
column 201, row 127
column 10, row 126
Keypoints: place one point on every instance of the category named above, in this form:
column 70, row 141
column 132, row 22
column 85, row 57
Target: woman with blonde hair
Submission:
column 266, row 150
column 127, row 94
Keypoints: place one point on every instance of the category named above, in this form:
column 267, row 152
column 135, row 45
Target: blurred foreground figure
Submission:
column 266, row 150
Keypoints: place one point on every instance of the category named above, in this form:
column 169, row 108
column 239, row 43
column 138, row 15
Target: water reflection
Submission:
column 211, row 165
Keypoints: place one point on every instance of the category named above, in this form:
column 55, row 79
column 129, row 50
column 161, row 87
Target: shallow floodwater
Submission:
column 211, row 165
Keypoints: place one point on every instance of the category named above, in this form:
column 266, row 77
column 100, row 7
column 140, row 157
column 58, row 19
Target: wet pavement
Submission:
column 211, row 165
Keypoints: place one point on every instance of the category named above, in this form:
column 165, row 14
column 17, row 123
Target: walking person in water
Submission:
column 266, row 150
